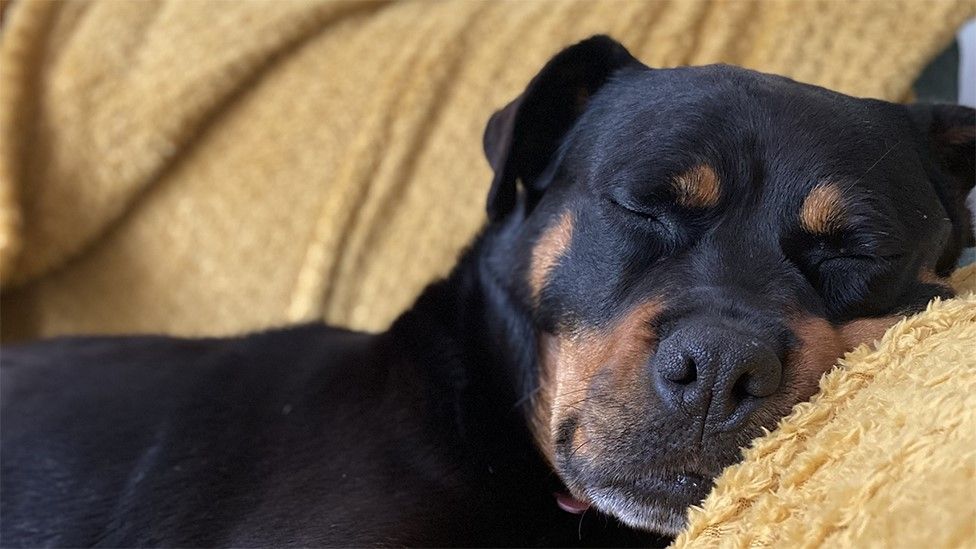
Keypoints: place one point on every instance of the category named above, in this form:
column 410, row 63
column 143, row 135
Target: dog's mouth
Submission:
column 655, row 501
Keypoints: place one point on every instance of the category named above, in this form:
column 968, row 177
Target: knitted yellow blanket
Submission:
column 214, row 167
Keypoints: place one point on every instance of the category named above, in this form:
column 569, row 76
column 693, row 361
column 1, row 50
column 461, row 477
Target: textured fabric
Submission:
column 883, row 456
column 208, row 168
column 214, row 167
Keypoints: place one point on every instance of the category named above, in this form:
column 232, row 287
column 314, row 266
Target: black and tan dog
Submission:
column 673, row 258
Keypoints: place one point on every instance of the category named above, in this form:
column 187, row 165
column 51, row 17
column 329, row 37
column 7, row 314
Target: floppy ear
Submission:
column 521, row 139
column 950, row 131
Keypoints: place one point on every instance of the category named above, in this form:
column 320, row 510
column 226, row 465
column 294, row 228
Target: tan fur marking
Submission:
column 698, row 187
column 866, row 330
column 568, row 363
column 822, row 344
column 547, row 252
column 927, row 275
column 818, row 350
column 823, row 209
column 541, row 417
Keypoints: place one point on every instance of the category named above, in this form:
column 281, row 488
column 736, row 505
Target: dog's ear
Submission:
column 950, row 131
column 521, row 139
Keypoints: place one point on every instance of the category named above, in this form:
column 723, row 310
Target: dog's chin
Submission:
column 655, row 502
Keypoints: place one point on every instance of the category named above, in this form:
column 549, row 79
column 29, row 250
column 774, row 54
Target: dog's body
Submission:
column 305, row 436
column 688, row 251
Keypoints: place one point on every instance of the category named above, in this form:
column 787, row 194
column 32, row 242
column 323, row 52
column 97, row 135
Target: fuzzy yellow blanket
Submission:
column 214, row 167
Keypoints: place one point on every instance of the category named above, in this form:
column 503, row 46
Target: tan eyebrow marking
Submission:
column 823, row 209
column 698, row 187
column 547, row 252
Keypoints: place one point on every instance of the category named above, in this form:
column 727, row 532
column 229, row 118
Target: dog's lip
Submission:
column 681, row 488
column 657, row 487
column 675, row 483
column 571, row 504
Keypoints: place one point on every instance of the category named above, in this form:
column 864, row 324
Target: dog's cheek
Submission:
column 818, row 348
column 585, row 376
column 936, row 285
column 567, row 363
column 547, row 252
column 542, row 414
column 866, row 330
column 821, row 345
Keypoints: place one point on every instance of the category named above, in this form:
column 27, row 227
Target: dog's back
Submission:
column 160, row 441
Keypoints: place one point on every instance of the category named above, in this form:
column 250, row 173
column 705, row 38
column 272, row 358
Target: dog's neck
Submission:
column 470, row 336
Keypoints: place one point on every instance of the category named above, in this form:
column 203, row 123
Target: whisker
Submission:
column 577, row 449
column 579, row 528
column 528, row 396
column 878, row 161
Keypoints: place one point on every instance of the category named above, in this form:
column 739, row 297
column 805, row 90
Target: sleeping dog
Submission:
column 672, row 259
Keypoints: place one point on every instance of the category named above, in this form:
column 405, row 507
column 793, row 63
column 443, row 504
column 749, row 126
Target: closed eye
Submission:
column 849, row 270
column 641, row 212
column 842, row 258
column 654, row 218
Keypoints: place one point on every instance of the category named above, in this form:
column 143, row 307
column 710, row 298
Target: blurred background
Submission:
column 208, row 168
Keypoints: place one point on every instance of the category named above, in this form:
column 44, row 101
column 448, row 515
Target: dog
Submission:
column 672, row 259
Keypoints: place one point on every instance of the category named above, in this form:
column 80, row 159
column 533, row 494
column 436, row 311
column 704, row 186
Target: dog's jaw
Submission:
column 665, row 520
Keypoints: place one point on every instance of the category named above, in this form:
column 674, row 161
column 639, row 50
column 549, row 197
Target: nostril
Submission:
column 760, row 380
column 741, row 389
column 677, row 368
column 689, row 371
column 682, row 370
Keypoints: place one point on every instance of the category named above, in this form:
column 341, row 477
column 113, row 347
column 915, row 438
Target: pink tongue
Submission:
column 570, row 504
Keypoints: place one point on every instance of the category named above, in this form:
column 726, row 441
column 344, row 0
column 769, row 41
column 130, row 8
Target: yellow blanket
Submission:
column 214, row 167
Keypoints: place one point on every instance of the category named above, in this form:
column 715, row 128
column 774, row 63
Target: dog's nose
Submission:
column 715, row 373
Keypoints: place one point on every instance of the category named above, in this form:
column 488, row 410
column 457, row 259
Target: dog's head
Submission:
column 697, row 246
